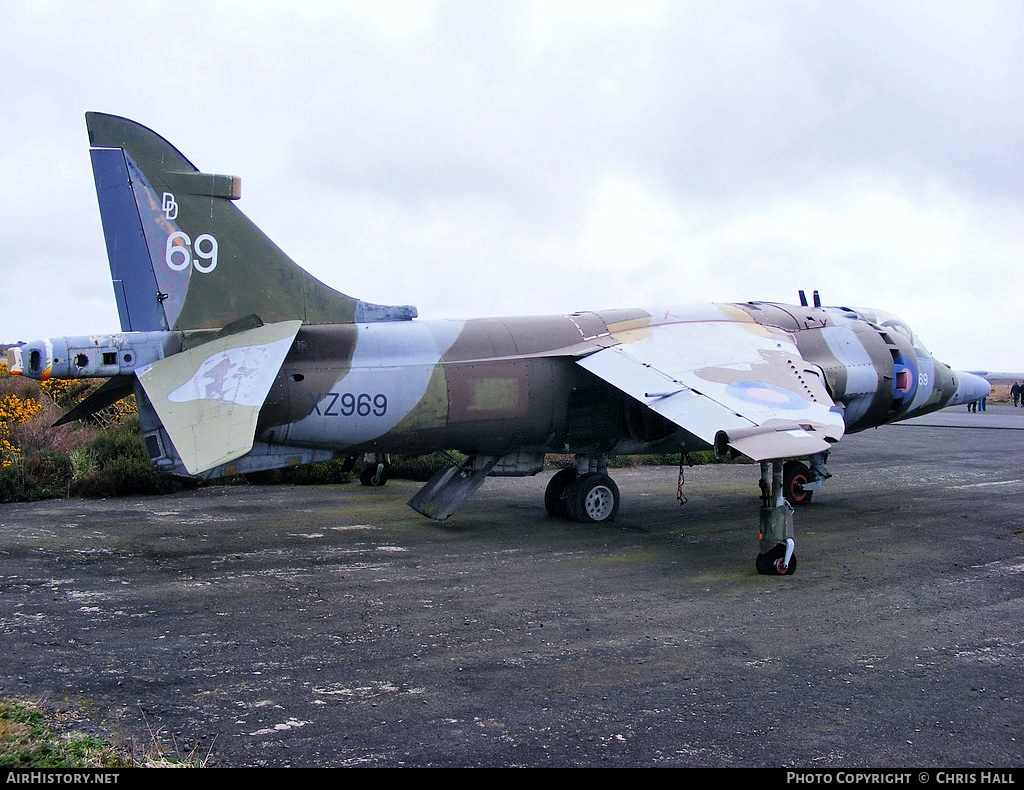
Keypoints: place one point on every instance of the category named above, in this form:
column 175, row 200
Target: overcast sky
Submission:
column 498, row 158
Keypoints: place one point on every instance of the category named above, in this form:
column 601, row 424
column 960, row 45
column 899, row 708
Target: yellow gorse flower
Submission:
column 13, row 411
column 18, row 410
column 57, row 389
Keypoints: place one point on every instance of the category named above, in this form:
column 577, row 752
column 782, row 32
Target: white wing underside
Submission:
column 209, row 397
column 736, row 378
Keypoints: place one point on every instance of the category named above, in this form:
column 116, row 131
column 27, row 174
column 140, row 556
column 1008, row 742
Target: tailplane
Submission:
column 183, row 256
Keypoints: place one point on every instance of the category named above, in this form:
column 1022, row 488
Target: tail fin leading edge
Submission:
column 183, row 256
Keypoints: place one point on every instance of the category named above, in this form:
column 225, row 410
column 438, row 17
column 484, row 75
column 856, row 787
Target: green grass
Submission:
column 32, row 737
column 35, row 737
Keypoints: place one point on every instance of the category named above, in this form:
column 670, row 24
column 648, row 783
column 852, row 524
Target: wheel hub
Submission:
column 599, row 503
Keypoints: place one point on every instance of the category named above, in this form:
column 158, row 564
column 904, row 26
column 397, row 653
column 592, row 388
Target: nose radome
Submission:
column 970, row 387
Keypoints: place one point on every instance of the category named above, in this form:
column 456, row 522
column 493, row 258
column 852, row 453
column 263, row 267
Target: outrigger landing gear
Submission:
column 776, row 557
column 585, row 494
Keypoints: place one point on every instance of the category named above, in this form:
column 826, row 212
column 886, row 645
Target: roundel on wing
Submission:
column 904, row 379
column 766, row 395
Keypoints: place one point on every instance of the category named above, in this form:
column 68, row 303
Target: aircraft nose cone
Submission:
column 970, row 387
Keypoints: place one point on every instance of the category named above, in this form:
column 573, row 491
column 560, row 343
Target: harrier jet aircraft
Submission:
column 242, row 361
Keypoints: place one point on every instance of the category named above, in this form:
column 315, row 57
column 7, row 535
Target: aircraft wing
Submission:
column 730, row 379
column 209, row 396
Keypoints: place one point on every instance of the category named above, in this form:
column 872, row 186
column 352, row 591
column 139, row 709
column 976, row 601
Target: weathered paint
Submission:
column 208, row 264
column 772, row 380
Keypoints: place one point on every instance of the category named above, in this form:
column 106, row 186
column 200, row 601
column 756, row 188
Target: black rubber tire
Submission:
column 554, row 494
column 795, row 474
column 369, row 477
column 767, row 563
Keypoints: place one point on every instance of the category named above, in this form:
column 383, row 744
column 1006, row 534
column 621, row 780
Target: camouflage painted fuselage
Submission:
column 497, row 385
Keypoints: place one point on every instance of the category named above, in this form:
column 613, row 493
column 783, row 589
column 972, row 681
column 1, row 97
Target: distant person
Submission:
column 1015, row 393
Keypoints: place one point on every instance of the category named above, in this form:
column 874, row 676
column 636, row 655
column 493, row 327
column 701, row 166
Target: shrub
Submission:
column 319, row 473
column 421, row 467
column 117, row 465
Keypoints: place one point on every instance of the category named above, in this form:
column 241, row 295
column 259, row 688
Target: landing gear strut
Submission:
column 776, row 557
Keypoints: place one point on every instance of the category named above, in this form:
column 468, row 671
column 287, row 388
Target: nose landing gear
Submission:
column 777, row 555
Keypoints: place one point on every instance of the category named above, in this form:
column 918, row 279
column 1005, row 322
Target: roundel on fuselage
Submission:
column 904, row 379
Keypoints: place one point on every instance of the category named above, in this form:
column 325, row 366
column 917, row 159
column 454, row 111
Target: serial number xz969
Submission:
column 349, row 404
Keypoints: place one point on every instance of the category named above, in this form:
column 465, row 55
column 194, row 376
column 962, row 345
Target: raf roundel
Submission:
column 904, row 379
column 763, row 394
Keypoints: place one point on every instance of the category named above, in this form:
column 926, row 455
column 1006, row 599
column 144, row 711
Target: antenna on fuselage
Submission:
column 803, row 299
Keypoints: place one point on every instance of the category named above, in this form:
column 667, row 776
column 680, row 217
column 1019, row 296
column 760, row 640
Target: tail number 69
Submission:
column 179, row 250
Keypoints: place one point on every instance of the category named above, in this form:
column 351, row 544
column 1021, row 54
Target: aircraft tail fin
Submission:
column 183, row 256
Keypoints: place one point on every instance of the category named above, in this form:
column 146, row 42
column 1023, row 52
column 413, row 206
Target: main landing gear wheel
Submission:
column 770, row 563
column 592, row 498
column 795, row 475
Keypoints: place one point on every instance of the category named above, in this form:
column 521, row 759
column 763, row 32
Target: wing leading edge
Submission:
column 725, row 380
